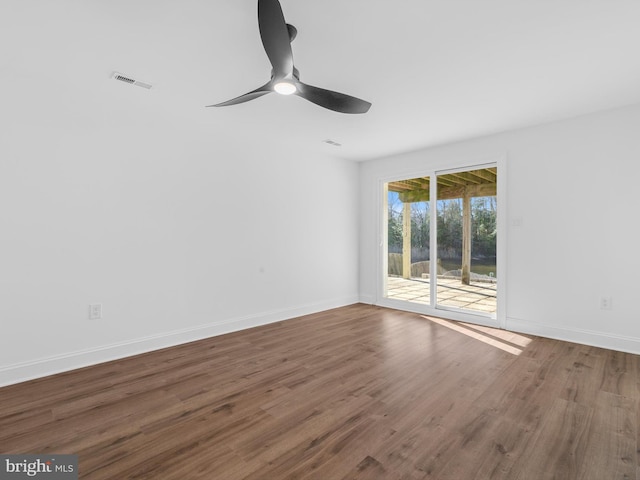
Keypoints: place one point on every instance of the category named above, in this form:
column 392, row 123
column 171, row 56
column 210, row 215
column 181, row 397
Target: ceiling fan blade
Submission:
column 258, row 92
column 275, row 37
column 338, row 102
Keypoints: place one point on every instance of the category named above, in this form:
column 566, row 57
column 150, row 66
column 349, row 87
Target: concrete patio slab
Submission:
column 478, row 296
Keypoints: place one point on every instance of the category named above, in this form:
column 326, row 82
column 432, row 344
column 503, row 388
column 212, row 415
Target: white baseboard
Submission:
column 43, row 367
column 575, row 335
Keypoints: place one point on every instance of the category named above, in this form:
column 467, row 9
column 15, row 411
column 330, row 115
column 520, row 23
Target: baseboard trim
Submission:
column 575, row 335
column 22, row 372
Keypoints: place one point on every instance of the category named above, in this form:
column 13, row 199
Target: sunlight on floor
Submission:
column 508, row 341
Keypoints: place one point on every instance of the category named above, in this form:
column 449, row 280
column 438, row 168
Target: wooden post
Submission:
column 406, row 240
column 466, row 238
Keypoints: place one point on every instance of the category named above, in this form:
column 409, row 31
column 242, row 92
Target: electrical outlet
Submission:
column 95, row 311
column 606, row 303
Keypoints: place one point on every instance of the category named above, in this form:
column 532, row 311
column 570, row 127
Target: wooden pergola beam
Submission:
column 446, row 182
column 448, row 193
column 466, row 177
column 487, row 175
column 466, row 239
column 406, row 240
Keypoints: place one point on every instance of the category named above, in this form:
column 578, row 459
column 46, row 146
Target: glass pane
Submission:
column 408, row 219
column 467, row 232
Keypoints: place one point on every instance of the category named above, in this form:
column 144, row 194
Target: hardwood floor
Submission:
column 359, row 392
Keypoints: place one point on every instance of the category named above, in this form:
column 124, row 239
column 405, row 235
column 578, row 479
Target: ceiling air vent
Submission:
column 331, row 142
column 132, row 81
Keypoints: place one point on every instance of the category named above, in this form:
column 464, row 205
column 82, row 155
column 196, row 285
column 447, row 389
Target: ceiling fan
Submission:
column 277, row 36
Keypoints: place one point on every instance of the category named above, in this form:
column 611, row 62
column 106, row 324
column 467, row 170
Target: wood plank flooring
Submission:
column 359, row 392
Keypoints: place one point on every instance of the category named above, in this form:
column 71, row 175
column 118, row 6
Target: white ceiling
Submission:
column 435, row 71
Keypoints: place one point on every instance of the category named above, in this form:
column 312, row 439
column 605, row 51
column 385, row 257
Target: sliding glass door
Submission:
column 440, row 243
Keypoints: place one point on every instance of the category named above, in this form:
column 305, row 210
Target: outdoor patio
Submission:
column 478, row 296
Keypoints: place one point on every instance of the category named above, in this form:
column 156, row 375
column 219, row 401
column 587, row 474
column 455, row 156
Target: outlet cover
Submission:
column 606, row 303
column 95, row 311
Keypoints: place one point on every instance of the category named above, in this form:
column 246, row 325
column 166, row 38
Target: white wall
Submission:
column 183, row 234
column 178, row 232
column 573, row 186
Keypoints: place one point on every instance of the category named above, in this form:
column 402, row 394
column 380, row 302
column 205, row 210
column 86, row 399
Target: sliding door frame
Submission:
column 501, row 255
